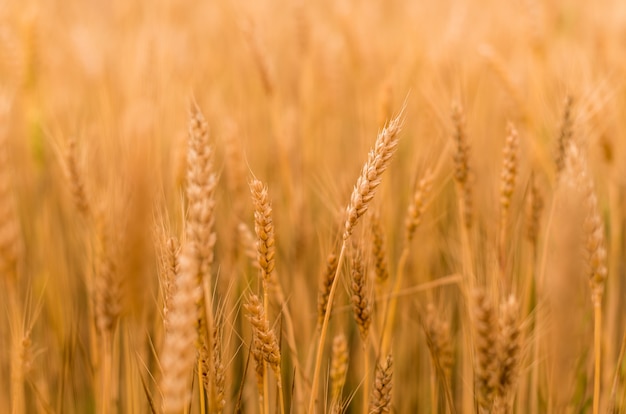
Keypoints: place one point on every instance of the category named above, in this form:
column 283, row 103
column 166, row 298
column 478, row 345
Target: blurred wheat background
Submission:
column 333, row 206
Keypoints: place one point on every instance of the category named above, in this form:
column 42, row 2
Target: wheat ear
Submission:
column 338, row 368
column 485, row 337
column 381, row 395
column 509, row 349
column 265, row 340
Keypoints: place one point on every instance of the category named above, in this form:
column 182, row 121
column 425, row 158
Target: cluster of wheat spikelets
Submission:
column 217, row 207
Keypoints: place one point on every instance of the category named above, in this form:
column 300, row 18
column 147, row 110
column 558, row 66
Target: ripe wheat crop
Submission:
column 312, row 207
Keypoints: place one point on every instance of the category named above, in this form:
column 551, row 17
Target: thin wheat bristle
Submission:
column 338, row 367
column 326, row 282
column 264, row 337
column 179, row 353
column 380, row 402
column 360, row 296
column 377, row 162
column 378, row 251
column 417, row 206
column 461, row 165
column 485, row 339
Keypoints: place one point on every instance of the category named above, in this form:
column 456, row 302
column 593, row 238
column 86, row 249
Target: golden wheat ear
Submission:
column 380, row 402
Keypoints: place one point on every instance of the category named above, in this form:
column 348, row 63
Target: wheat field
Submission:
column 279, row 206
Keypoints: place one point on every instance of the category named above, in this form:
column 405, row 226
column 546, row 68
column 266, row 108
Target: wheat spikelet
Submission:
column 179, row 353
column 360, row 298
column 417, row 206
column 378, row 251
column 377, row 162
column 380, row 402
column 461, row 165
column 485, row 338
column 326, row 282
column 264, row 337
column 338, row 368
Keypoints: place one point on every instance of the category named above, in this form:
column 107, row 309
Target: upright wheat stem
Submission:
column 370, row 178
